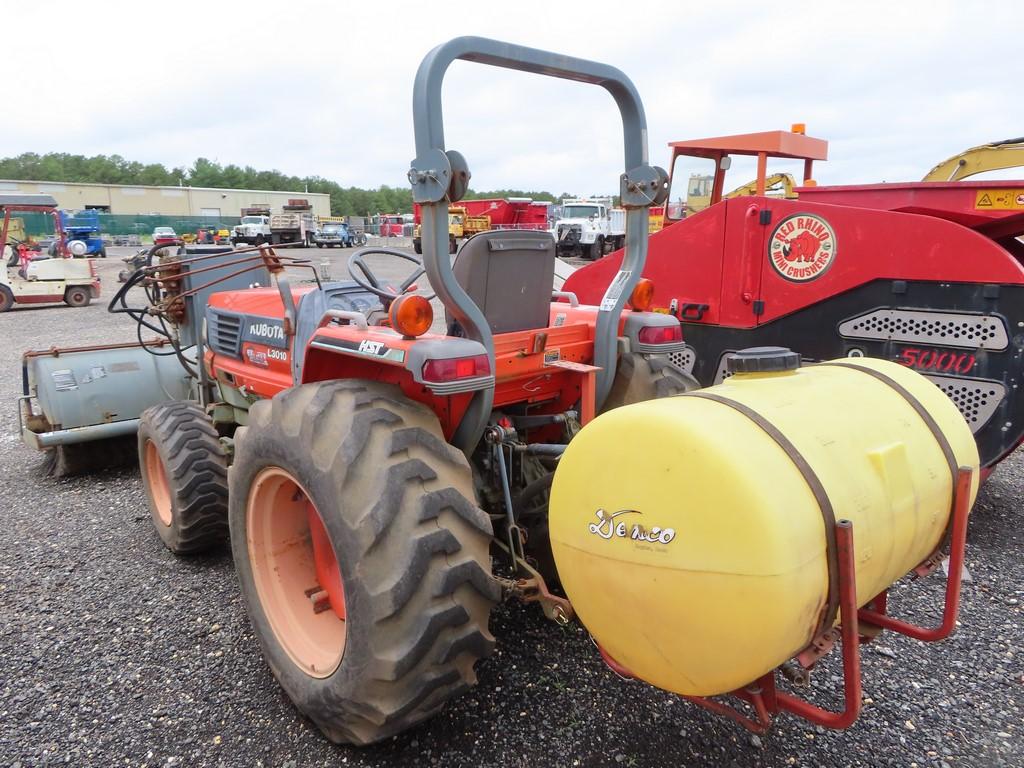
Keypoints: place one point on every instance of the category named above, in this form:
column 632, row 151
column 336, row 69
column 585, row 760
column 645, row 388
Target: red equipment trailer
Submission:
column 928, row 274
column 505, row 213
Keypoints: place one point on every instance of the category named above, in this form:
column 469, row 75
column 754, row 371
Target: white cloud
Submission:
column 325, row 88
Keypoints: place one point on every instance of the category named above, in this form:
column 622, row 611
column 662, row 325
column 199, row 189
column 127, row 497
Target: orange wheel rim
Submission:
column 156, row 479
column 291, row 558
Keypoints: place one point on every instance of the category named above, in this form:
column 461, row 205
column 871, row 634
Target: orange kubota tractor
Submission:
column 373, row 463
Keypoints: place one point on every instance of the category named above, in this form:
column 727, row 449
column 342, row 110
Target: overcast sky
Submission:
column 325, row 88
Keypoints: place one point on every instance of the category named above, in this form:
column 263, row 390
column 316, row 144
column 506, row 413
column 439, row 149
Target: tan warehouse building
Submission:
column 165, row 201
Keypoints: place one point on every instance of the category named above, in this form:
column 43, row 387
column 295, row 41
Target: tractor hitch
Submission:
column 533, row 589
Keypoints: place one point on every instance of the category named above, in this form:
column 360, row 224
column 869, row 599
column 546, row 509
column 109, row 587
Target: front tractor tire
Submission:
column 362, row 556
column 185, row 473
column 640, row 377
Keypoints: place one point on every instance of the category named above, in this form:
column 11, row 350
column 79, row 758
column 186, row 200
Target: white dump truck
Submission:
column 295, row 224
column 254, row 228
column 589, row 227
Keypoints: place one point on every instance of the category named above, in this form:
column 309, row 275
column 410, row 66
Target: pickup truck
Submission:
column 332, row 234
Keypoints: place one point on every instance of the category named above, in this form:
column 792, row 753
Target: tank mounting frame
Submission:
column 857, row 627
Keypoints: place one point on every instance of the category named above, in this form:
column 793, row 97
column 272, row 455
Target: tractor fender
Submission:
column 348, row 352
column 347, row 355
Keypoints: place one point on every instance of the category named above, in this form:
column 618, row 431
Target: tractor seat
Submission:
column 345, row 295
column 510, row 275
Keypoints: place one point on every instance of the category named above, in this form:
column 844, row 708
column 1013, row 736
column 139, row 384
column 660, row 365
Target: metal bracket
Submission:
column 430, row 175
column 535, row 590
column 643, row 186
column 856, row 627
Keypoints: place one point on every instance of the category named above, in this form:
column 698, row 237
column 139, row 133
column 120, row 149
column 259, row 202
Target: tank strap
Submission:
column 929, row 421
column 828, row 514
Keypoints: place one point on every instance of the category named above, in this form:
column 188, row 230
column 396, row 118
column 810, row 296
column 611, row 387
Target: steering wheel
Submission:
column 369, row 280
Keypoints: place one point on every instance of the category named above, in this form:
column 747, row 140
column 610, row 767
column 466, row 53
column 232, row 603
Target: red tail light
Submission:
column 456, row 368
column 661, row 334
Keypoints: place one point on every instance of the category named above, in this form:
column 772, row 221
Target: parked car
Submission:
column 334, row 234
column 164, row 235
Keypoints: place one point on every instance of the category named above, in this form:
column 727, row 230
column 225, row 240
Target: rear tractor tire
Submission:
column 640, row 377
column 185, row 473
column 6, row 298
column 77, row 296
column 362, row 556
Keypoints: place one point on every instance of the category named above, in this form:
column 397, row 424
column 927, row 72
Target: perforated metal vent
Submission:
column 684, row 359
column 723, row 371
column 224, row 332
column 977, row 399
column 950, row 329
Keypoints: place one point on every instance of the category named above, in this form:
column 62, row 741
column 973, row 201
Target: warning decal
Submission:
column 611, row 296
column 999, row 199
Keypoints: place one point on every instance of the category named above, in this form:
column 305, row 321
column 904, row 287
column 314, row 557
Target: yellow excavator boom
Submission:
column 987, row 157
column 772, row 184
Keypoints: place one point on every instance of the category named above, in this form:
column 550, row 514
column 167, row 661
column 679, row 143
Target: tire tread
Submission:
column 420, row 543
column 195, row 464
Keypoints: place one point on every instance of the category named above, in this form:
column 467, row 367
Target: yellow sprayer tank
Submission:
column 690, row 540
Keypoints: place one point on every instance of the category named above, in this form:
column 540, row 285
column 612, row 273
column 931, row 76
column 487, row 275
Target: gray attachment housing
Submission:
column 438, row 177
column 94, row 393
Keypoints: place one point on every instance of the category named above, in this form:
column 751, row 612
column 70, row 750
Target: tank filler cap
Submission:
column 763, row 360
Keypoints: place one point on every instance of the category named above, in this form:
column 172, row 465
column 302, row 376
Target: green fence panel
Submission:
column 41, row 224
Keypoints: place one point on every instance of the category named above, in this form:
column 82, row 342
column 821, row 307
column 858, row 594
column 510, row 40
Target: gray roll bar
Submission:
column 438, row 177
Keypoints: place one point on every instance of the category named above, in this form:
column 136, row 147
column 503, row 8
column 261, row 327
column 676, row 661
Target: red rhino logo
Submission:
column 803, row 247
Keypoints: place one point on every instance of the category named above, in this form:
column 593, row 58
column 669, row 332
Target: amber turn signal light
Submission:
column 643, row 295
column 411, row 315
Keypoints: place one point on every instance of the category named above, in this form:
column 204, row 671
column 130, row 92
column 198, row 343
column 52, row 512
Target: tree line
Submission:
column 114, row 169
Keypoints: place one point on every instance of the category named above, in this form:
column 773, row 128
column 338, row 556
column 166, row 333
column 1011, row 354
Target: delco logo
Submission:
column 609, row 526
column 267, row 331
column 368, row 347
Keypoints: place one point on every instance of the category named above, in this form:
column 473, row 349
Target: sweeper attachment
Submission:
column 366, row 468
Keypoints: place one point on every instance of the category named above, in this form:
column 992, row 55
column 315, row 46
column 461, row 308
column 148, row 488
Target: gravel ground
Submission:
column 114, row 652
